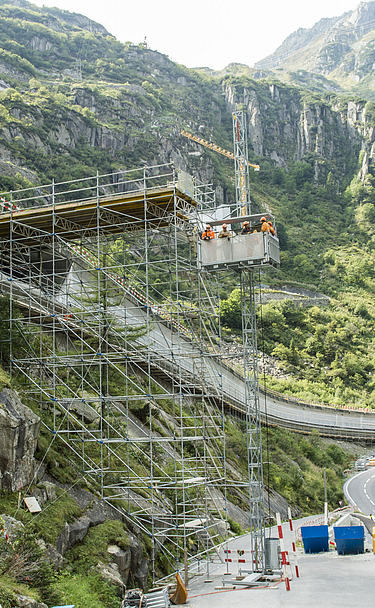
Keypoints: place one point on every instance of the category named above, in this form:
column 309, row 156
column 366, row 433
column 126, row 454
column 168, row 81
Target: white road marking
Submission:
column 347, row 493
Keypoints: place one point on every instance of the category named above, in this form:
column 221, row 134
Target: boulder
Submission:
column 122, row 559
column 50, row 489
column 72, row 533
column 19, row 430
column 23, row 601
column 78, row 529
column 110, row 573
column 52, row 555
column 141, row 574
column 62, row 543
column 10, row 526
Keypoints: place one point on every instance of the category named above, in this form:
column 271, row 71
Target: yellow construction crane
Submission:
column 214, row 147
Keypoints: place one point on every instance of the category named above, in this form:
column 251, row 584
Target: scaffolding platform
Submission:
column 117, row 213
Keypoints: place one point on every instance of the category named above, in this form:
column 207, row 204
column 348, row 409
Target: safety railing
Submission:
column 97, row 186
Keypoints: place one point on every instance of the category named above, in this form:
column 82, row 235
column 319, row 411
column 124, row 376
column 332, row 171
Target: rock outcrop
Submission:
column 339, row 48
column 302, row 126
column 19, row 430
column 23, row 601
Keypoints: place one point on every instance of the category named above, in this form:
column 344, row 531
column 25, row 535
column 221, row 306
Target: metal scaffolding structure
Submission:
column 120, row 326
column 242, row 255
column 253, row 421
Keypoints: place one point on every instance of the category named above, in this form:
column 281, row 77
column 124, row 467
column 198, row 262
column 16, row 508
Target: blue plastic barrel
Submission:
column 315, row 538
column 349, row 539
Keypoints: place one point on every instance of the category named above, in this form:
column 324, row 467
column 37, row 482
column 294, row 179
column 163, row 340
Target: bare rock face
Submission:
column 110, row 573
column 122, row 559
column 19, row 430
column 72, row 534
column 28, row 602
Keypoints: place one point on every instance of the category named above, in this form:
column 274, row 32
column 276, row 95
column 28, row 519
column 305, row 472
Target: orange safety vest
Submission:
column 208, row 233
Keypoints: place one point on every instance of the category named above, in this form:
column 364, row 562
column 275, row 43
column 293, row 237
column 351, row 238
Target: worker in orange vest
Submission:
column 265, row 227
column 271, row 229
column 208, row 234
column 245, row 228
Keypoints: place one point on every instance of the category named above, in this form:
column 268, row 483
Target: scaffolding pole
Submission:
column 241, row 165
column 253, row 425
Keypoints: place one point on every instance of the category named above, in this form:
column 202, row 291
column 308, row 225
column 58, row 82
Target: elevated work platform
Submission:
column 256, row 249
column 240, row 251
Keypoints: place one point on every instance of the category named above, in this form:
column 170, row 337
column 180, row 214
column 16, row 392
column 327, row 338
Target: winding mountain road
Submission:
column 180, row 358
column 178, row 353
column 360, row 490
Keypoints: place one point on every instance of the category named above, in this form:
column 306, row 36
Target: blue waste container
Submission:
column 349, row 539
column 315, row 538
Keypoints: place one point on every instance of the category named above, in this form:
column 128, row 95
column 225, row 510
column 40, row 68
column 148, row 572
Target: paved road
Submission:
column 166, row 345
column 360, row 490
column 326, row 579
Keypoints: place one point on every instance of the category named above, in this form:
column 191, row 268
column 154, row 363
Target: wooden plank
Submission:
column 247, row 581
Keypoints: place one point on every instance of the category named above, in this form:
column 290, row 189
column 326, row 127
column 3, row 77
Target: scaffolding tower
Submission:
column 243, row 254
column 120, row 330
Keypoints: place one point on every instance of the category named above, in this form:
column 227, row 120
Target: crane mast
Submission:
column 249, row 337
column 241, row 166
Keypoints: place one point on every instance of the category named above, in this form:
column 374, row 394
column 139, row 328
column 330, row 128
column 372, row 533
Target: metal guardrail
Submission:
column 236, row 369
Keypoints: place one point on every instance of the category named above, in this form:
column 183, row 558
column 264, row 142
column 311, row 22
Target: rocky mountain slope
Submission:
column 71, row 92
column 78, row 547
column 74, row 100
column 335, row 53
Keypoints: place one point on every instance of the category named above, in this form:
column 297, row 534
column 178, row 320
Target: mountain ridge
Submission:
column 340, row 49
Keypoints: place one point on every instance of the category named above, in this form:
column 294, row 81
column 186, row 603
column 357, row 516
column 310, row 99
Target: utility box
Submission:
column 315, row 538
column 272, row 554
column 349, row 540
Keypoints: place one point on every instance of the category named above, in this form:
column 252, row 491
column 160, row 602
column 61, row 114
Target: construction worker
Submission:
column 271, row 229
column 245, row 228
column 224, row 233
column 264, row 227
column 208, row 234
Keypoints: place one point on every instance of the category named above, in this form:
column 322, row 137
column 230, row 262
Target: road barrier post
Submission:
column 284, row 557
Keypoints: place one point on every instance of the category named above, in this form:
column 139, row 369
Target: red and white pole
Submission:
column 293, row 537
column 283, row 552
